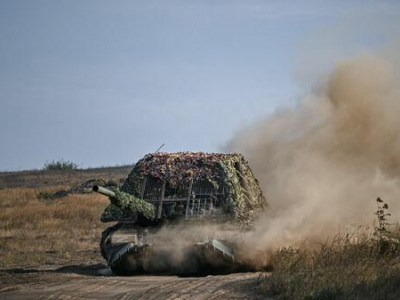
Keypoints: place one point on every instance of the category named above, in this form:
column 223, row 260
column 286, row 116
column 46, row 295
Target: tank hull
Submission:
column 182, row 212
column 174, row 249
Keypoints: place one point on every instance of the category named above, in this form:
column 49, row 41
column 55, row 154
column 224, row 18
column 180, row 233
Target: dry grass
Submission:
column 42, row 231
column 356, row 266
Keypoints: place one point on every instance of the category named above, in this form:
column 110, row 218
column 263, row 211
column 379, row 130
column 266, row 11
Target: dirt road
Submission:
column 83, row 282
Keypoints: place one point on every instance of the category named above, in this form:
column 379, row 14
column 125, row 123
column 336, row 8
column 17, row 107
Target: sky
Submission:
column 102, row 83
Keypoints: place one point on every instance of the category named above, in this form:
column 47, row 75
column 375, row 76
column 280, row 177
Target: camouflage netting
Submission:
column 132, row 203
column 246, row 198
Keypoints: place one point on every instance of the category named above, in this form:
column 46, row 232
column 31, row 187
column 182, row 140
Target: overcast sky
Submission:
column 102, row 83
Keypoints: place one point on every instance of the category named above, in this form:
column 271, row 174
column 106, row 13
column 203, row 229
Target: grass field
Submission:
column 37, row 231
column 361, row 265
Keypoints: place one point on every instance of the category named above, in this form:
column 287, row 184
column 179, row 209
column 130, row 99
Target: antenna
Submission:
column 159, row 148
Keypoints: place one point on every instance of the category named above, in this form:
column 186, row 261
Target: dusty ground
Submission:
column 48, row 250
column 85, row 282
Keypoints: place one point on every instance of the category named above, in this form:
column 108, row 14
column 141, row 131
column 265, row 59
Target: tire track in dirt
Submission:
column 232, row 286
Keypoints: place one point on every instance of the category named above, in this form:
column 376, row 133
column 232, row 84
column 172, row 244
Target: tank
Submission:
column 181, row 213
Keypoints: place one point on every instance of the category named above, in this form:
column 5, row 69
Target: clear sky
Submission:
column 102, row 83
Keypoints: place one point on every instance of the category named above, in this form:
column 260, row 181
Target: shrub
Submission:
column 44, row 195
column 60, row 165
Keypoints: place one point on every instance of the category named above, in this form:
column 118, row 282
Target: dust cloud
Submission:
column 323, row 163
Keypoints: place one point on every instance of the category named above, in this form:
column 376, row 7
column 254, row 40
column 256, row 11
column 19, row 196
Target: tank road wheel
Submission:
column 127, row 265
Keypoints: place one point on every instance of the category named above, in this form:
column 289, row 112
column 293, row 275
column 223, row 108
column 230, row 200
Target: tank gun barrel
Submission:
column 104, row 191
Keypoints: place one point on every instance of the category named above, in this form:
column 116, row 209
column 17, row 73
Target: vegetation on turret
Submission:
column 123, row 205
column 134, row 204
